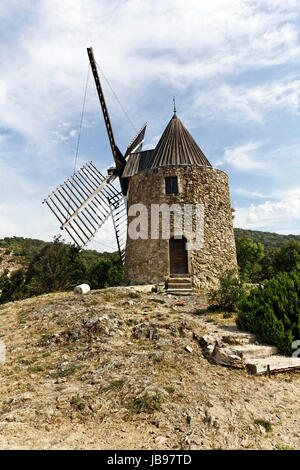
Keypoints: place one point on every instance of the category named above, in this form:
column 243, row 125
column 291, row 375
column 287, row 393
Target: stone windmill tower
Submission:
column 173, row 179
column 177, row 172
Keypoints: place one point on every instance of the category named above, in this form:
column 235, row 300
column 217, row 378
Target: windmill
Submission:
column 86, row 200
column 174, row 175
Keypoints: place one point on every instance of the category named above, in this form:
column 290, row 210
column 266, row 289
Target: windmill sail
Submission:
column 137, row 142
column 82, row 204
column 119, row 218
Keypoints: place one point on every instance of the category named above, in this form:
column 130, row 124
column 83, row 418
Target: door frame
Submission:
column 187, row 256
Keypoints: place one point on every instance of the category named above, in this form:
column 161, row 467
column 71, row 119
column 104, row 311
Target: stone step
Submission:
column 180, row 285
column 180, row 291
column 250, row 351
column 234, row 333
column 273, row 364
column 182, row 275
column 174, row 280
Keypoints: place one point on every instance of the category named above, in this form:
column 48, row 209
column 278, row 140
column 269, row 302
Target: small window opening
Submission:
column 172, row 185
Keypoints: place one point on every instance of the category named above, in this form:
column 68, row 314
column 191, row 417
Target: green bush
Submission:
column 13, row 287
column 229, row 294
column 272, row 312
column 105, row 273
column 249, row 257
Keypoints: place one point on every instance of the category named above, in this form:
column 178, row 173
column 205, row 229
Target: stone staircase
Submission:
column 179, row 284
column 241, row 350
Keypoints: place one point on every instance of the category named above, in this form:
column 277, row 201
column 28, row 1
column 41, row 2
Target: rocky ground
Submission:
column 118, row 369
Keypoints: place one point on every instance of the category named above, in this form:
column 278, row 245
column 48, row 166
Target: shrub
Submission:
column 272, row 313
column 229, row 294
column 105, row 273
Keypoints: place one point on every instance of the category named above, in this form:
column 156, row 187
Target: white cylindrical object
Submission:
column 82, row 289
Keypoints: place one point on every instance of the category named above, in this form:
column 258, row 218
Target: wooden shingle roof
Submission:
column 175, row 147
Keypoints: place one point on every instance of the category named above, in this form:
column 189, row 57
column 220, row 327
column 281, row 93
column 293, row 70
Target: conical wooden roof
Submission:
column 177, row 147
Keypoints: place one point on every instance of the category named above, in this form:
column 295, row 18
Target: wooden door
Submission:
column 178, row 256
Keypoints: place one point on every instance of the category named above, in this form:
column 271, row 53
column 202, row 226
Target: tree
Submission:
column 105, row 273
column 287, row 258
column 249, row 256
column 57, row 267
column 14, row 287
column 230, row 292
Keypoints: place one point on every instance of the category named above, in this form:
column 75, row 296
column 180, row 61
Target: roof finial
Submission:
column 174, row 105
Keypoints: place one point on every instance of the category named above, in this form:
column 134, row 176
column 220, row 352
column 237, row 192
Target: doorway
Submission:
column 178, row 256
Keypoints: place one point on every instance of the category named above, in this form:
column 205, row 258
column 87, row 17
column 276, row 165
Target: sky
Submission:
column 233, row 66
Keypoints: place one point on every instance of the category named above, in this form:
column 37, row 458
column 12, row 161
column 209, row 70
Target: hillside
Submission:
column 268, row 239
column 83, row 373
column 18, row 251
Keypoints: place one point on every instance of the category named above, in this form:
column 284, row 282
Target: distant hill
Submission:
column 16, row 252
column 268, row 239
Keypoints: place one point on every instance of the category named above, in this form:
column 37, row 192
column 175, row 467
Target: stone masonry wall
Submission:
column 147, row 261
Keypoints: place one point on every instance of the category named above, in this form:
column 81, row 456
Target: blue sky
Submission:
column 233, row 66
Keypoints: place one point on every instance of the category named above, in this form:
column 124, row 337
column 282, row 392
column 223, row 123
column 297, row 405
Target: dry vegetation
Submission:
column 110, row 371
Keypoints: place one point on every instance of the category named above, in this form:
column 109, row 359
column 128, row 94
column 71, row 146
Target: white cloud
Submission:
column 281, row 215
column 136, row 43
column 248, row 193
column 242, row 104
column 2, row 92
column 242, row 158
column 144, row 48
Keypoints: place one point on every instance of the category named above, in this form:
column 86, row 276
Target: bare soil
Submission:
column 110, row 370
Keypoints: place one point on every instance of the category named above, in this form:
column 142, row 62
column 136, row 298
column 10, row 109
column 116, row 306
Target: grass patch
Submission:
column 46, row 354
column 265, row 424
column 116, row 384
column 145, row 404
column 227, row 315
column 158, row 301
column 67, row 372
column 44, row 338
column 75, row 402
column 170, row 389
column 157, row 358
column 283, row 447
column 134, row 295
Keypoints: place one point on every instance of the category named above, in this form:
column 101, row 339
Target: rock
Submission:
column 207, row 341
column 189, row 349
column 160, row 440
column 145, row 330
column 160, row 287
column 82, row 289
column 226, row 357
